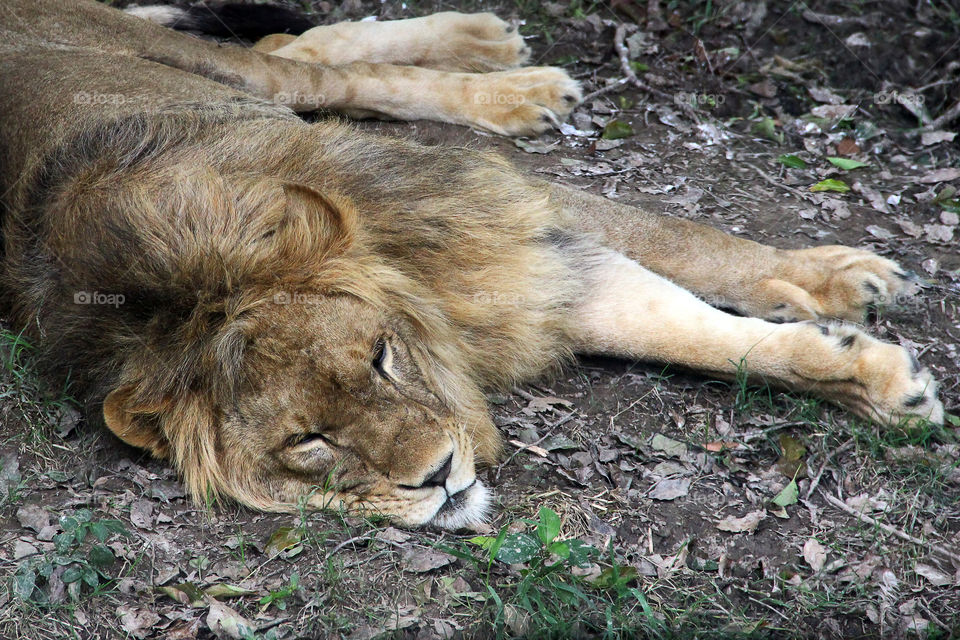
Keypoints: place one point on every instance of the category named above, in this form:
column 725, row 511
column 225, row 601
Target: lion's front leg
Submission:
column 447, row 41
column 526, row 101
column 631, row 312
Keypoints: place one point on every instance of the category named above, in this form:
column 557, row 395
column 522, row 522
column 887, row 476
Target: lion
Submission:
column 304, row 315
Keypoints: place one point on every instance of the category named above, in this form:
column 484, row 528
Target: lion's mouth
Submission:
column 464, row 509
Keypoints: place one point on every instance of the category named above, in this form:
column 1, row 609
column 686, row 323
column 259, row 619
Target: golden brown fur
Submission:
column 304, row 313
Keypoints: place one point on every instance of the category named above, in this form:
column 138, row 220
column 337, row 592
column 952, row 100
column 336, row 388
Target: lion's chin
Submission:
column 470, row 511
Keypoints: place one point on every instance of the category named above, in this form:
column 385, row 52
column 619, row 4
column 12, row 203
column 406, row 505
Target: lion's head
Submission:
column 263, row 350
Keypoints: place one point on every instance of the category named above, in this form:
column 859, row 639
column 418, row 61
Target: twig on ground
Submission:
column 619, row 44
column 933, row 548
column 768, row 178
column 365, row 537
column 616, row 84
column 523, row 394
column 815, row 482
column 747, row 436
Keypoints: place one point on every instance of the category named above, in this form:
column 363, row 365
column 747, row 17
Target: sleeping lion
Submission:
column 298, row 313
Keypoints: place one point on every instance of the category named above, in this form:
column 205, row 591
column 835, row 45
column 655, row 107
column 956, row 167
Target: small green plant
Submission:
column 278, row 597
column 15, row 350
column 80, row 558
column 566, row 587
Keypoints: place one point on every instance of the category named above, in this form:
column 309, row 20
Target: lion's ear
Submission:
column 327, row 220
column 135, row 422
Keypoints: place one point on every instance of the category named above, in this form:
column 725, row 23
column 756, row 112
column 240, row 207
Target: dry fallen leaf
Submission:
column 281, row 540
column 184, row 631
column 670, row 468
column 668, row 446
column 33, row 516
column 391, row 534
column 225, row 622
column 721, row 445
column 23, row 549
column 670, row 489
column 424, row 560
column 939, row 232
column 935, row 137
column 940, row 175
column 547, row 403
column 137, row 621
column 824, row 95
column 141, row 514
column 748, row 523
column 879, row 232
column 815, row 554
column 935, row 576
column 910, row 228
column 834, row 111
column 847, row 147
column 404, row 618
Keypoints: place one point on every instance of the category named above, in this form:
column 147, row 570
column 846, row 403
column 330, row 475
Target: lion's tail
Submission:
column 226, row 19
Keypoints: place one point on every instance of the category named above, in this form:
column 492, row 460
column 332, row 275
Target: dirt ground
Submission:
column 713, row 510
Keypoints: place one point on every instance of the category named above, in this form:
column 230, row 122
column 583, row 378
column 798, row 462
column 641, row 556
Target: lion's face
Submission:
column 334, row 405
column 339, row 406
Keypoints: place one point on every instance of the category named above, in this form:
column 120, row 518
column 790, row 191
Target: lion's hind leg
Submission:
column 831, row 281
column 733, row 272
column 634, row 313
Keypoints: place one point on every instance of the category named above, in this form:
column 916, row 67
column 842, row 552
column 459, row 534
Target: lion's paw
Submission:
column 527, row 101
column 878, row 380
column 833, row 282
column 478, row 42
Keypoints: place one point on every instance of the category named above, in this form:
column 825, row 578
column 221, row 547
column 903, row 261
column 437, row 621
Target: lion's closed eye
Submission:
column 383, row 358
column 302, row 442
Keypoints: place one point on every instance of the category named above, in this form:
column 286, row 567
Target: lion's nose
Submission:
column 439, row 477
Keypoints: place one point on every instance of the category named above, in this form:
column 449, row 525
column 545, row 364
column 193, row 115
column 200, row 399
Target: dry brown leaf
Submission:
column 815, row 554
column 940, row 175
column 747, row 523
column 824, row 95
column 670, row 489
column 225, row 622
column 935, row 137
column 936, row 577
column 847, row 147
column 939, row 232
column 33, row 516
column 390, row 534
column 424, row 560
column 547, row 403
column 137, row 621
column 668, row 446
column 141, row 514
column 721, row 445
